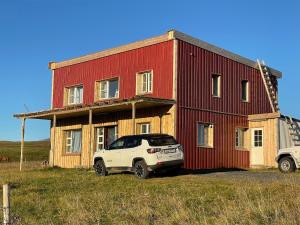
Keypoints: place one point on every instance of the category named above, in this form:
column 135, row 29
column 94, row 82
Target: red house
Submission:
column 219, row 105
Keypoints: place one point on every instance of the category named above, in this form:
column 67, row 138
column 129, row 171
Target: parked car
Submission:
column 288, row 159
column 141, row 154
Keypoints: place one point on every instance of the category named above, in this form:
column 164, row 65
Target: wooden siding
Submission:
column 196, row 103
column 161, row 120
column 270, row 139
column 125, row 65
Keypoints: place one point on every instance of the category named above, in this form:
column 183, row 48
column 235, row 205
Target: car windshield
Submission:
column 162, row 141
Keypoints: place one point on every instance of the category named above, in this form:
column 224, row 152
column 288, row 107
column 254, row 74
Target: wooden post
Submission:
column 6, row 204
column 22, row 142
column 53, row 140
column 91, row 131
column 133, row 117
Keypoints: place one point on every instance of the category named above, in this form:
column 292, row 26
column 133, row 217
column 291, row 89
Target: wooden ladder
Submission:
column 269, row 85
column 294, row 130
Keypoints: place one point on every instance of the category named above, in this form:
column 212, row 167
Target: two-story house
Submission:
column 220, row 106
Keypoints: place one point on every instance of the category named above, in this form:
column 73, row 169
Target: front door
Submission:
column 105, row 136
column 257, row 151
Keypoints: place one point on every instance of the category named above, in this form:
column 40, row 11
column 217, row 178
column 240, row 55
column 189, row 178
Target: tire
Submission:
column 287, row 165
column 141, row 170
column 100, row 168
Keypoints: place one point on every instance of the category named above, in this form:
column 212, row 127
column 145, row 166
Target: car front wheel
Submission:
column 287, row 165
column 100, row 168
column 140, row 170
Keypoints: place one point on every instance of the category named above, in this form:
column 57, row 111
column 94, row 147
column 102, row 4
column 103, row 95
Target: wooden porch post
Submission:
column 133, row 117
column 91, row 140
column 22, row 142
column 53, row 140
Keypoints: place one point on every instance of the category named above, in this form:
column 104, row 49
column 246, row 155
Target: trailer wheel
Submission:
column 287, row 165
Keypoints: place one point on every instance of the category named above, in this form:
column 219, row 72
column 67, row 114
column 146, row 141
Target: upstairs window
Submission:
column 107, row 89
column 74, row 95
column 205, row 135
column 144, row 82
column 216, row 85
column 240, row 137
column 245, row 90
column 73, row 141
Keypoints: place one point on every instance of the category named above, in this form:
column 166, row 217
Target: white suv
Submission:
column 140, row 154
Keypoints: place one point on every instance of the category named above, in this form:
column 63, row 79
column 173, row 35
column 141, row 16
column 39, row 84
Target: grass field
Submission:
column 78, row 196
column 33, row 151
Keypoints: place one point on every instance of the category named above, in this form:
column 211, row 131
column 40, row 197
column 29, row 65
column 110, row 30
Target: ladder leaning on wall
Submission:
column 270, row 84
column 294, row 130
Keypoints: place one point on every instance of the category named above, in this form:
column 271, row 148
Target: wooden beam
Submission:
column 6, row 204
column 91, row 140
column 133, row 117
column 53, row 141
column 22, row 142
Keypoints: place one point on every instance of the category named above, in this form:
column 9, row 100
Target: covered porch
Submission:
column 126, row 115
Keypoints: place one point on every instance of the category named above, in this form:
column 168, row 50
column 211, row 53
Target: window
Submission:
column 245, row 90
column 73, row 141
column 132, row 142
column 74, row 95
column 100, row 138
column 108, row 89
column 145, row 128
column 216, row 83
column 161, row 141
column 257, row 138
column 144, row 82
column 240, row 137
column 205, row 135
column 105, row 136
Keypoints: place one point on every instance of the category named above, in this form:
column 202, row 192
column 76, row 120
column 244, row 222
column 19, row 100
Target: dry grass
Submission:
column 60, row 196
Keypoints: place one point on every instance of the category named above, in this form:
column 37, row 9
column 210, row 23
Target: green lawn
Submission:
column 33, row 151
column 78, row 196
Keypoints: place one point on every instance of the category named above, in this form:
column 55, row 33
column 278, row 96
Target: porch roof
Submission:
column 100, row 107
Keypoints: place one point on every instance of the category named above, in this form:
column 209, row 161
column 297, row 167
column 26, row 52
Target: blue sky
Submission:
column 35, row 32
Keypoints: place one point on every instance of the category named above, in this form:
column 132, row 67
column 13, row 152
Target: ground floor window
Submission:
column 144, row 128
column 105, row 136
column 73, row 141
column 240, row 137
column 257, row 138
column 205, row 134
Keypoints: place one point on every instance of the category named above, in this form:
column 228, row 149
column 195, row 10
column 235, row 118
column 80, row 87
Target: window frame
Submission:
column 139, row 90
column 67, row 95
column 244, row 129
column 247, row 91
column 98, row 89
column 66, row 138
column 253, row 137
column 219, row 77
column 210, row 140
column 148, row 125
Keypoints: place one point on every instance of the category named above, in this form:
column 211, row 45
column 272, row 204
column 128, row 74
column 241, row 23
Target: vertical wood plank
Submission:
column 22, row 142
column 6, row 204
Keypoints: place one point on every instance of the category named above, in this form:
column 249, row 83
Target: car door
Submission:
column 131, row 150
column 113, row 154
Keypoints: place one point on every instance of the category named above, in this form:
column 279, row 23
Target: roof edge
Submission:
column 170, row 35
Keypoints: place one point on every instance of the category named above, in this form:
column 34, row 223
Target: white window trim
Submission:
column 139, row 90
column 209, row 138
column 253, row 138
column 244, row 130
column 148, row 128
column 247, row 91
column 76, row 88
column 71, row 142
column 107, row 85
column 219, row 85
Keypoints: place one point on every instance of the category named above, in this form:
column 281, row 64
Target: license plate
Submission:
column 170, row 150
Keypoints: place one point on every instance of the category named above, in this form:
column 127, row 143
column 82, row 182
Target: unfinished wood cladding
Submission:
column 270, row 139
column 161, row 119
column 125, row 65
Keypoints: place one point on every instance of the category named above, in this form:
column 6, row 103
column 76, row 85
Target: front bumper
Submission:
column 166, row 164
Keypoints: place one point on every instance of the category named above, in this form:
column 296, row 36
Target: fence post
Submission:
column 6, row 204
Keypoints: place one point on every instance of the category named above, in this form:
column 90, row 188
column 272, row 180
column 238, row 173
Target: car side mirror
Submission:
column 107, row 148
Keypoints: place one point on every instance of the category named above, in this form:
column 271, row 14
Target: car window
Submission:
column 162, row 141
column 118, row 144
column 131, row 142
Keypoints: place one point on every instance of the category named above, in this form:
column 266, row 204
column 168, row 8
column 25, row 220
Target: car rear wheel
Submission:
column 287, row 165
column 140, row 170
column 100, row 168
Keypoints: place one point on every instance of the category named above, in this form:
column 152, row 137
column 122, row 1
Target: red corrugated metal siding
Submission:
column 125, row 65
column 195, row 68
